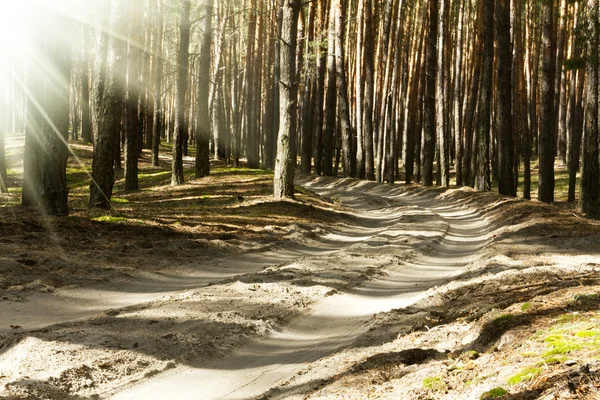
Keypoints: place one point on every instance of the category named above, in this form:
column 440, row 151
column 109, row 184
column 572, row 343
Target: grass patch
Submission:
column 526, row 374
column 119, row 200
column 435, row 383
column 110, row 219
column 494, row 393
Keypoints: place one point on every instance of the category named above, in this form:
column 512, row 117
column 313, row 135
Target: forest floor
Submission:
column 354, row 290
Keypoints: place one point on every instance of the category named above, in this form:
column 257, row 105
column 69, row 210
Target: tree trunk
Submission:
column 429, row 117
column 482, row 179
column 203, row 123
column 331, row 105
column 348, row 154
column 183, row 62
column 134, row 127
column 158, row 125
column 110, row 113
column 286, row 141
column 369, row 92
column 590, row 171
column 46, row 134
column 86, row 124
column 546, row 139
column 506, row 176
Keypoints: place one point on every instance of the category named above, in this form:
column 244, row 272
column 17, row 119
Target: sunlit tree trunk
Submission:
column 4, row 124
column 110, row 112
column 133, row 124
column 286, row 140
column 158, row 122
column 183, row 62
column 369, row 92
column 590, row 171
column 86, row 123
column 331, row 104
column 203, row 123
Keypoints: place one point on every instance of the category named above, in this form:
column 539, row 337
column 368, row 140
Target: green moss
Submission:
column 588, row 333
column 560, row 345
column 526, row 374
column 526, row 306
column 586, row 298
column 470, row 355
column 119, row 200
column 435, row 383
column 553, row 360
column 503, row 318
column 110, row 218
column 494, row 393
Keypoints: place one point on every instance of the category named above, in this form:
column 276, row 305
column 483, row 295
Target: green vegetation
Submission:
column 435, row 383
column 494, row 393
column 526, row 374
column 526, row 306
column 119, row 200
column 503, row 318
column 110, row 219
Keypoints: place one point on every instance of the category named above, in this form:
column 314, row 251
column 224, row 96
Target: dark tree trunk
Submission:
column 429, row 118
column 286, row 140
column 110, row 113
column 506, row 181
column 252, row 138
column 590, row 171
column 546, row 138
column 319, row 96
column 203, row 123
column 482, row 180
column 183, row 62
column 348, row 153
column 134, row 126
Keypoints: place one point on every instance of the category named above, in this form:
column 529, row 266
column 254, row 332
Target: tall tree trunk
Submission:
column 110, row 112
column 158, row 125
column 46, row 134
column 134, row 127
column 359, row 87
column 576, row 112
column 331, row 105
column 86, row 123
column 506, row 181
column 441, row 98
column 590, row 171
column 203, row 123
column 482, row 179
column 348, row 153
column 546, row 140
column 429, row 117
column 183, row 62
column 252, row 145
column 286, row 141
column 369, row 92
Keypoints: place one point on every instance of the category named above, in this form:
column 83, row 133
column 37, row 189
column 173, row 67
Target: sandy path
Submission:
column 457, row 233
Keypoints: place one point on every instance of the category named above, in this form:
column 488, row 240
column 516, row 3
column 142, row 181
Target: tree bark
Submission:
column 590, row 171
column 546, row 139
column 429, row 116
column 110, row 113
column 183, row 62
column 506, row 181
column 482, row 179
column 203, row 122
column 286, row 141
column 158, row 122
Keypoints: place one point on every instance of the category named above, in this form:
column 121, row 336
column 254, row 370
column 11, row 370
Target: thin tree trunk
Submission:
column 429, row 117
column 158, row 122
